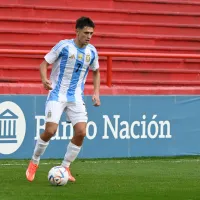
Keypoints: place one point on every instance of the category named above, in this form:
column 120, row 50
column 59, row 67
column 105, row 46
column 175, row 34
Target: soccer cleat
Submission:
column 71, row 178
column 31, row 170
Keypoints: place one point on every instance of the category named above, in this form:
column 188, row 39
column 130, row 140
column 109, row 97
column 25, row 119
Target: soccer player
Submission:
column 71, row 61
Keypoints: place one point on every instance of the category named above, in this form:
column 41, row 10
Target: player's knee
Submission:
column 50, row 131
column 80, row 130
column 80, row 133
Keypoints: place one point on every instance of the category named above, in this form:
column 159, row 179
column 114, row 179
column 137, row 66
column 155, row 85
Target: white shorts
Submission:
column 75, row 112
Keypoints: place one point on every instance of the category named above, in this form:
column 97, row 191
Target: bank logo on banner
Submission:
column 12, row 127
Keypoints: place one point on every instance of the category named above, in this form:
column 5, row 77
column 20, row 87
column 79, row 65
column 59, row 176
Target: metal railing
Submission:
column 109, row 56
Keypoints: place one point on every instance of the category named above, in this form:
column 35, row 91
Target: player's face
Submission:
column 84, row 35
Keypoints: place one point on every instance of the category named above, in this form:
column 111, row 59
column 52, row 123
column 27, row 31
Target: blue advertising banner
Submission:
column 123, row 126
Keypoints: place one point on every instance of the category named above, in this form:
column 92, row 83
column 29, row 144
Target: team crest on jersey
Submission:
column 49, row 114
column 80, row 56
column 72, row 56
column 88, row 58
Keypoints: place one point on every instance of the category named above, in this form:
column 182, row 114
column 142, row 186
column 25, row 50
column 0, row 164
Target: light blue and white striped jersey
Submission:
column 70, row 69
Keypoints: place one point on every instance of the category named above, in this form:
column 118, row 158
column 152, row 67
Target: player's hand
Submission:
column 47, row 84
column 96, row 100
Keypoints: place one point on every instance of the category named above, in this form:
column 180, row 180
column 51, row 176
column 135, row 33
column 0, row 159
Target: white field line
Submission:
column 23, row 164
column 111, row 161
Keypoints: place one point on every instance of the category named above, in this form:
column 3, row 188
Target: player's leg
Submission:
column 43, row 141
column 40, row 147
column 78, row 116
column 53, row 112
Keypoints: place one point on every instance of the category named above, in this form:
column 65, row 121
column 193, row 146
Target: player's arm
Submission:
column 43, row 73
column 96, row 83
column 49, row 59
column 96, row 78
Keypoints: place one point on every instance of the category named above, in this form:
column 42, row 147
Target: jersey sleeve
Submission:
column 95, row 60
column 55, row 52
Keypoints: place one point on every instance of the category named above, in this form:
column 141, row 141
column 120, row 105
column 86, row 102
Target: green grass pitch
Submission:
column 176, row 178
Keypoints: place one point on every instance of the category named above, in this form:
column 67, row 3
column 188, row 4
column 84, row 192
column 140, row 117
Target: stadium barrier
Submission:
column 123, row 126
column 109, row 56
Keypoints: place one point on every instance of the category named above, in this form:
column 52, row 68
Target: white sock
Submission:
column 71, row 154
column 40, row 148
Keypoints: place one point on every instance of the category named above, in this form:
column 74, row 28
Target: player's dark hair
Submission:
column 84, row 21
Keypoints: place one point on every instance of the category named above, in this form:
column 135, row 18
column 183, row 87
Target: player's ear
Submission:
column 77, row 31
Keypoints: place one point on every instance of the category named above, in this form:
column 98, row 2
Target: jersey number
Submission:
column 78, row 66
